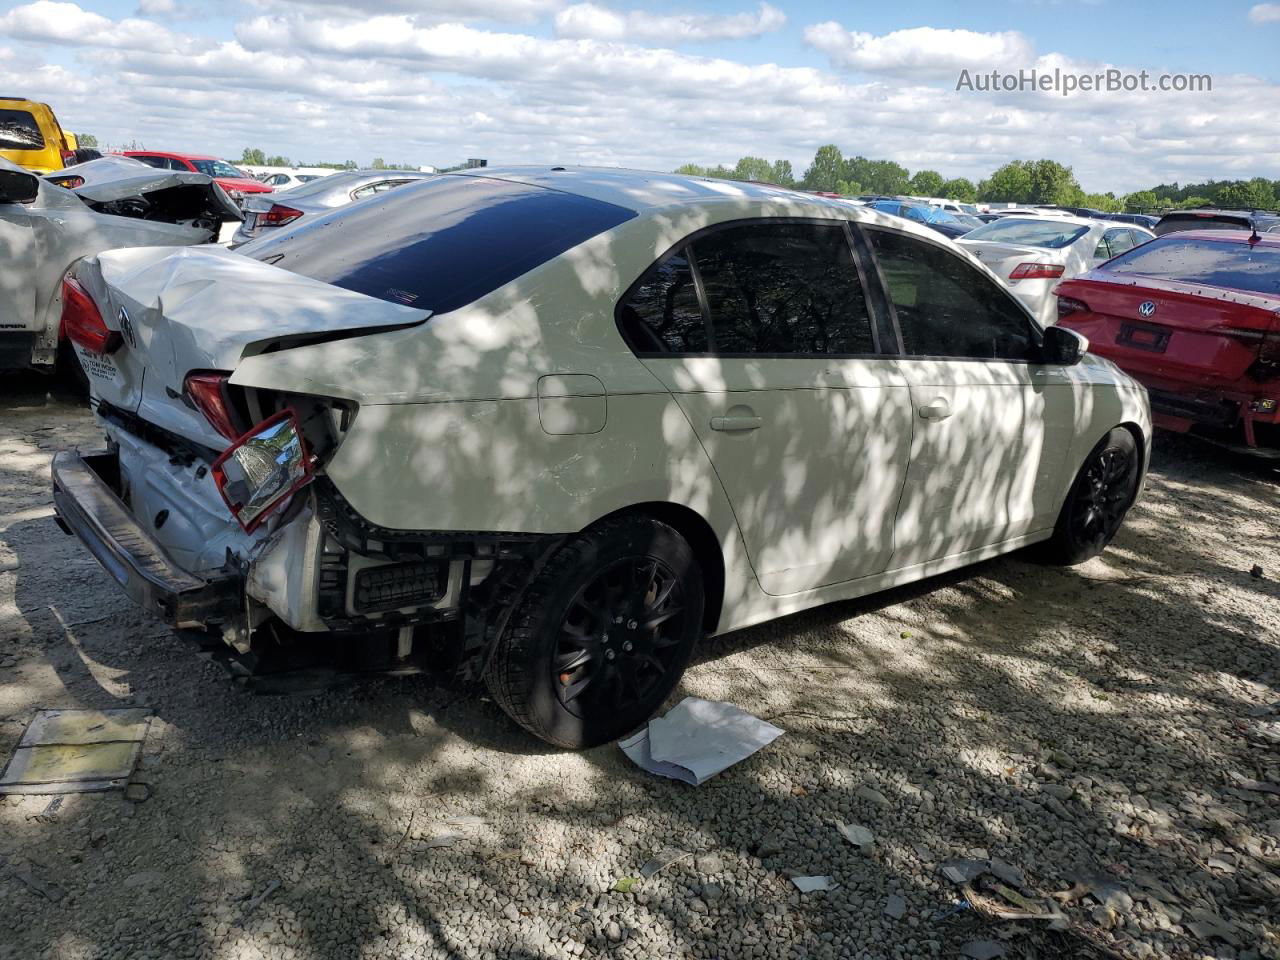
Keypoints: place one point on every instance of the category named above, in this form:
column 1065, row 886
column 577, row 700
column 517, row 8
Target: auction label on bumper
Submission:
column 98, row 366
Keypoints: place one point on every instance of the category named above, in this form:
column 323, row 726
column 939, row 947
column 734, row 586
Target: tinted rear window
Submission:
column 1032, row 233
column 19, row 131
column 1215, row 263
column 1172, row 223
column 440, row 243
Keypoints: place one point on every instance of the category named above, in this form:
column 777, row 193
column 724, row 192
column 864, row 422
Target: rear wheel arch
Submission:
column 702, row 539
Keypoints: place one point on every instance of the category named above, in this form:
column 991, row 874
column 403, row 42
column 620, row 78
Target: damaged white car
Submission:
column 551, row 427
column 47, row 224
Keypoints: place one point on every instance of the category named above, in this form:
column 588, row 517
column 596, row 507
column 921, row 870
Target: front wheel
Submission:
column 602, row 635
column 1098, row 501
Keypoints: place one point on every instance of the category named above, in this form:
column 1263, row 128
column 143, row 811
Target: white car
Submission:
column 282, row 181
column 554, row 426
column 45, row 227
column 1033, row 254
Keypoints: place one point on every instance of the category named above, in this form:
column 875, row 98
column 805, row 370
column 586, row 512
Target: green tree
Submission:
column 878, row 176
column 379, row 163
column 253, row 155
column 691, row 170
column 781, row 174
column 960, row 189
column 927, row 183
column 826, row 170
column 1190, row 203
column 1051, row 182
column 279, row 161
column 350, row 165
column 1008, row 184
column 848, row 188
column 87, row 141
column 1141, row 201
column 753, row 168
column 1106, row 202
column 1255, row 194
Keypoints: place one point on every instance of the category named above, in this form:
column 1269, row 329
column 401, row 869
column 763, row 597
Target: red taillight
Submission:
column 278, row 216
column 263, row 468
column 1036, row 271
column 208, row 391
column 1069, row 305
column 82, row 322
column 68, row 158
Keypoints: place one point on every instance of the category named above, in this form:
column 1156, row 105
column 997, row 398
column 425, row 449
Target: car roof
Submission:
column 1228, row 236
column 170, row 153
column 647, row 192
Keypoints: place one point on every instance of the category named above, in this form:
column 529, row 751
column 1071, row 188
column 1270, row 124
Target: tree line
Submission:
column 1019, row 181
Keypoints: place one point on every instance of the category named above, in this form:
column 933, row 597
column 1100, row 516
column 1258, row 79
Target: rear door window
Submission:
column 439, row 243
column 783, row 289
column 946, row 307
column 19, row 131
column 1119, row 241
column 661, row 314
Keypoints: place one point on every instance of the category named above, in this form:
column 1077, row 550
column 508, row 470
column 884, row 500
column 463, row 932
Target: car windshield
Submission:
column 1215, row 263
column 439, row 243
column 219, row 168
column 1049, row 234
column 19, row 131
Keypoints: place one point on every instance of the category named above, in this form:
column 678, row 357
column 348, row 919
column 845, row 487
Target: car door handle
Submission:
column 935, row 410
column 736, row 423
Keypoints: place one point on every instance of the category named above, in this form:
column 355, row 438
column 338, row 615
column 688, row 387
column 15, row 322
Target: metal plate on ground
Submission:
column 77, row 751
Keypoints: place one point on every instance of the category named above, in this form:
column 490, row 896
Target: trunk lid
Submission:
column 1003, row 258
column 1170, row 329
column 206, row 308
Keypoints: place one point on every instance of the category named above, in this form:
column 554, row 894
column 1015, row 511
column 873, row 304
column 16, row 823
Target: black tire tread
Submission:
column 506, row 674
column 1061, row 549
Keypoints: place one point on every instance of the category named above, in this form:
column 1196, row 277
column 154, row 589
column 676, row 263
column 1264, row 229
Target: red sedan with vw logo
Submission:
column 1195, row 317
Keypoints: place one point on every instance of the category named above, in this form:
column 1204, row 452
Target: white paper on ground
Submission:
column 811, row 884
column 697, row 739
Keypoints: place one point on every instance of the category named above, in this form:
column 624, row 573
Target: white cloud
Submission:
column 591, row 21
column 922, row 52
column 1265, row 13
column 157, row 8
column 424, row 11
column 49, row 21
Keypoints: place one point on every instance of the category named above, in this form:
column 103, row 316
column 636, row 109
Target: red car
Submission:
column 1194, row 316
column 236, row 182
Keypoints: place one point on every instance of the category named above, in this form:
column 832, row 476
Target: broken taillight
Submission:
column 1037, row 271
column 278, row 215
column 263, row 468
column 82, row 321
column 1069, row 305
column 208, row 391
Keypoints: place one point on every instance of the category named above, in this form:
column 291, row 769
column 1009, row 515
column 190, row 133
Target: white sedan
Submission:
column 1033, row 254
column 555, row 426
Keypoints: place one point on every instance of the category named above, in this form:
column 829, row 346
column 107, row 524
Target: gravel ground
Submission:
column 1112, row 725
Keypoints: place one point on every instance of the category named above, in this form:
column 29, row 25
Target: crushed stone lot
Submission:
column 1108, row 732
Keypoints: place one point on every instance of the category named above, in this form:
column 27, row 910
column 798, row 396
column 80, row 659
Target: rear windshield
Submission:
column 1172, row 223
column 1215, row 263
column 439, row 243
column 19, row 131
column 1032, row 233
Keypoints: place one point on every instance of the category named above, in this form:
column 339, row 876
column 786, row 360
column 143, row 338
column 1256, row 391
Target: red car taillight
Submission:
column 83, row 323
column 68, row 158
column 208, row 391
column 1069, row 305
column 1037, row 271
column 278, row 215
column 263, row 468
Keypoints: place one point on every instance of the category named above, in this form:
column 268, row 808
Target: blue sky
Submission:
column 655, row 85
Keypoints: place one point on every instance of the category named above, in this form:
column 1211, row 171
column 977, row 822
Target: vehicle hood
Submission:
column 113, row 178
column 244, row 185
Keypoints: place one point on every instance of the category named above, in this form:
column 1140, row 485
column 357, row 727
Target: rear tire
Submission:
column 1098, row 501
column 602, row 635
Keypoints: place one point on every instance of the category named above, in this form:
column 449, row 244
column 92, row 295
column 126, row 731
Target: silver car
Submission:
column 265, row 212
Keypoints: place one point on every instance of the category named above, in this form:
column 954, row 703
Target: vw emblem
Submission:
column 1146, row 308
column 126, row 328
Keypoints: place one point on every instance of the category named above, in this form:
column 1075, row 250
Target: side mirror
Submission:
column 1064, row 347
column 18, row 186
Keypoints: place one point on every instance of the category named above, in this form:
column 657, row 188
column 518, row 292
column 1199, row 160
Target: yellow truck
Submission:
column 31, row 137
